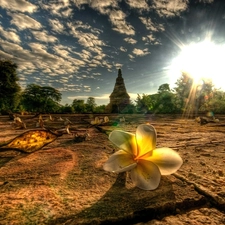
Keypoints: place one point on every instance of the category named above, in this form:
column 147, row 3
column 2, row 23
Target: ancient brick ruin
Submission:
column 119, row 98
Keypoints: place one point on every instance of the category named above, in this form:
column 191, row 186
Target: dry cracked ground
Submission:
column 64, row 182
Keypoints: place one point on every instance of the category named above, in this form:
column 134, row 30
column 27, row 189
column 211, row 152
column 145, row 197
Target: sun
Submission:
column 204, row 60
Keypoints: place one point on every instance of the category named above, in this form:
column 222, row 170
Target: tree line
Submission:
column 187, row 97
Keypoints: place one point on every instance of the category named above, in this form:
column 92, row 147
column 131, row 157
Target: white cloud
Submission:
column 47, row 70
column 23, row 21
column 56, row 25
column 151, row 37
column 67, row 12
column 106, row 64
column 5, row 55
column 10, row 35
column 117, row 18
column 10, row 47
column 86, row 54
column 100, row 56
column 140, row 4
column 150, row 25
column 170, row 8
column 93, row 53
column 40, row 58
column 79, row 3
column 61, row 51
column 60, row 8
column 87, row 88
column 103, row 6
column 96, row 62
column 45, row 59
column 110, row 8
column 25, row 66
column 131, row 56
column 18, row 5
column 118, row 65
column 122, row 49
column 86, row 39
column 130, row 40
column 140, row 52
column 97, row 74
column 43, row 36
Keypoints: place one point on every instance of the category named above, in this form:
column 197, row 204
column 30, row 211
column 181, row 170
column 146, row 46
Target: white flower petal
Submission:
column 168, row 160
column 146, row 139
column 124, row 140
column 146, row 175
column 119, row 162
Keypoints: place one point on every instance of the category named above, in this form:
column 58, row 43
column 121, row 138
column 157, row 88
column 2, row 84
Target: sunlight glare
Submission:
column 201, row 60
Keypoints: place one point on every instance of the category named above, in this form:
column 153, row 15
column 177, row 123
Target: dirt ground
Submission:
column 64, row 182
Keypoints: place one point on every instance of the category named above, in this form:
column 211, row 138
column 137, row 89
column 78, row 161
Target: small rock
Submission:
column 220, row 172
column 202, row 163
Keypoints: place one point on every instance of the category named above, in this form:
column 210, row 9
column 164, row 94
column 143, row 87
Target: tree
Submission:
column 66, row 109
column 165, row 100
column 41, row 99
column 90, row 105
column 161, row 102
column 166, row 103
column 182, row 91
column 79, row 106
column 190, row 95
column 9, row 88
column 129, row 108
column 142, row 103
column 100, row 109
column 146, row 103
column 204, row 93
column 163, row 88
column 215, row 102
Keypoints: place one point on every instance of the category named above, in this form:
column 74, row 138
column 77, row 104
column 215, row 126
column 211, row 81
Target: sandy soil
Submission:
column 64, row 183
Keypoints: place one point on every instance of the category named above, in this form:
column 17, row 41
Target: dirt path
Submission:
column 64, row 183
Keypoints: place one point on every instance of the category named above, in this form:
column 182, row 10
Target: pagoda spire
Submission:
column 119, row 73
column 119, row 97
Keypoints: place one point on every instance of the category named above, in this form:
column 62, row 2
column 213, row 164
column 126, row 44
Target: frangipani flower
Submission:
column 96, row 121
column 139, row 155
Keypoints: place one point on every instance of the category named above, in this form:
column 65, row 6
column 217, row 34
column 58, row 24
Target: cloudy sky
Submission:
column 77, row 46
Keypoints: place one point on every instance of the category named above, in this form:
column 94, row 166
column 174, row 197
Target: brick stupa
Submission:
column 119, row 98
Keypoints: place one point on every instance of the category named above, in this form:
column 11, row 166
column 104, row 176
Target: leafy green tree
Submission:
column 153, row 103
column 130, row 108
column 40, row 99
column 9, row 88
column 191, row 96
column 215, row 102
column 52, row 106
column 161, row 102
column 163, row 88
column 165, row 100
column 66, row 109
column 182, row 91
column 100, row 109
column 143, row 103
column 79, row 106
column 90, row 105
column 146, row 103
column 203, row 95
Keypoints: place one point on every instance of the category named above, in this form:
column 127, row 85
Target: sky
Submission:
column 77, row 46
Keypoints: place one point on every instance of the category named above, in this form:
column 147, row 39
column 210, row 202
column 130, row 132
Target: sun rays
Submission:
column 202, row 62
